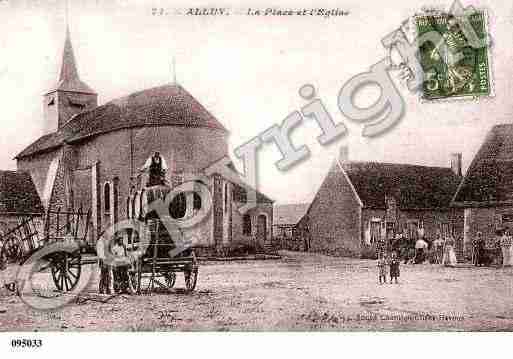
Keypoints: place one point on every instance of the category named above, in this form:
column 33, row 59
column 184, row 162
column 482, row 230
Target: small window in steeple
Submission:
column 76, row 103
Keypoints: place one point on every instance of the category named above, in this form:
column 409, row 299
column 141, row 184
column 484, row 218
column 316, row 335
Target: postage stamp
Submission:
column 455, row 67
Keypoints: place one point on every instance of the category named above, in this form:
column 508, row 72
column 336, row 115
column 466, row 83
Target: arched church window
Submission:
column 128, row 208
column 226, row 197
column 246, row 225
column 115, row 195
column 106, row 197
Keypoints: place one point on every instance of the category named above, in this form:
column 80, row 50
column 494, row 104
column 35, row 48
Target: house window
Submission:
column 246, row 225
column 375, row 231
column 239, row 194
column 507, row 217
column 390, row 230
column 106, row 198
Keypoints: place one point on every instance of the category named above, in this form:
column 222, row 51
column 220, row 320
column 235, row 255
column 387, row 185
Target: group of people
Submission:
column 414, row 251
column 498, row 250
column 421, row 249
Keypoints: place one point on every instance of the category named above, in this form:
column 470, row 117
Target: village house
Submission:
column 360, row 202
column 486, row 192
column 285, row 229
column 18, row 199
column 91, row 157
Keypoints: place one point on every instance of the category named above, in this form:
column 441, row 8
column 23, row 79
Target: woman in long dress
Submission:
column 449, row 258
column 506, row 246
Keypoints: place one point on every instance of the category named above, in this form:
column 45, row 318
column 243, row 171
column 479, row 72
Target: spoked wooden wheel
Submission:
column 11, row 250
column 191, row 277
column 170, row 278
column 66, row 269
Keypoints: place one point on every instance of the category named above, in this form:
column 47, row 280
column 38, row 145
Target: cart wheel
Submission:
column 170, row 278
column 66, row 269
column 191, row 277
column 10, row 250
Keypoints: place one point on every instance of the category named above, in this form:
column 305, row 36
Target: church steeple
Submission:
column 71, row 95
column 69, row 79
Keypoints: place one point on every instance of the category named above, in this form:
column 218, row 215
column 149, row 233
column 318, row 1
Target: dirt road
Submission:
column 299, row 292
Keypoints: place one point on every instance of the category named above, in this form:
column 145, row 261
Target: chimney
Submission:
column 456, row 163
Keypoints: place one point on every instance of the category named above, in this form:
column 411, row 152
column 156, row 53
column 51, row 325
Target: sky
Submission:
column 246, row 70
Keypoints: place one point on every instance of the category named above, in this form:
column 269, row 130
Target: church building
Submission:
column 91, row 157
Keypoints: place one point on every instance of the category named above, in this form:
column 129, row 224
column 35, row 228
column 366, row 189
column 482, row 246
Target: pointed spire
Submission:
column 68, row 68
column 69, row 79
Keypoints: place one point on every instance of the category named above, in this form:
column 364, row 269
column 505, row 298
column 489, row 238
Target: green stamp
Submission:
column 455, row 67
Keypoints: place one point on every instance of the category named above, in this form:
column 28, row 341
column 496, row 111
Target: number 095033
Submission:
column 26, row 343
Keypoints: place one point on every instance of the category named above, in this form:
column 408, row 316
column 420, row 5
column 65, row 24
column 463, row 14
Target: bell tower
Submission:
column 70, row 96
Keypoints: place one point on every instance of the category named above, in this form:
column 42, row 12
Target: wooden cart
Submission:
column 34, row 233
column 155, row 268
column 159, row 264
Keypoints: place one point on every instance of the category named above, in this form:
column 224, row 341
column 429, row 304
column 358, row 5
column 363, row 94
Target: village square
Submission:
column 116, row 219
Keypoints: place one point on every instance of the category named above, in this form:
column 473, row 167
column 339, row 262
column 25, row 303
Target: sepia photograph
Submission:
column 335, row 167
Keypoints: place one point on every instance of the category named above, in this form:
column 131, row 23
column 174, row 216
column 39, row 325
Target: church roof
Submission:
column 69, row 79
column 168, row 105
column 413, row 186
column 18, row 193
column 489, row 179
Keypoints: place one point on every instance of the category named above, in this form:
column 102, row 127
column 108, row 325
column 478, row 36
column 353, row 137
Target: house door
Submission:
column 262, row 228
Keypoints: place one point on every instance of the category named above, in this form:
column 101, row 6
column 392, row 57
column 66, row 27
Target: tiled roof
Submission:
column 18, row 193
column 168, row 105
column 489, row 179
column 413, row 187
column 43, row 143
column 289, row 214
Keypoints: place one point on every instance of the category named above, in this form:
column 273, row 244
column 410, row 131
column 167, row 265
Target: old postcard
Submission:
column 269, row 166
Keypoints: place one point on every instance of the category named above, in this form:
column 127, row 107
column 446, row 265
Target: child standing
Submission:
column 382, row 269
column 122, row 282
column 394, row 267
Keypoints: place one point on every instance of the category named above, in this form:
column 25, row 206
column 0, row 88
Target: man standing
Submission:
column 157, row 168
column 438, row 248
column 477, row 249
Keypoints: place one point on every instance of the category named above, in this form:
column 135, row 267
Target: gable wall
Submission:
column 333, row 219
column 38, row 167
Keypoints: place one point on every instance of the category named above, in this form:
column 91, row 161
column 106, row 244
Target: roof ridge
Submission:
column 395, row 164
